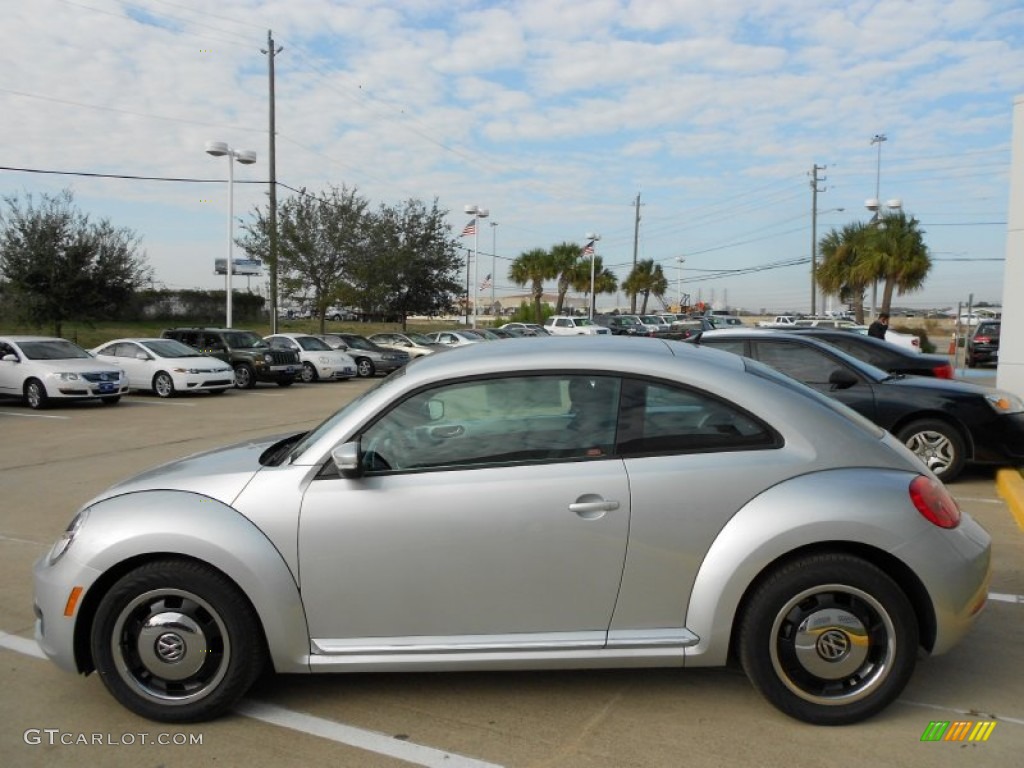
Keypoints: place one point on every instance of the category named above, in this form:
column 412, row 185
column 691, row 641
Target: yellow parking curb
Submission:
column 1010, row 485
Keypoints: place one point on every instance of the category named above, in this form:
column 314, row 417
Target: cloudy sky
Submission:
column 556, row 115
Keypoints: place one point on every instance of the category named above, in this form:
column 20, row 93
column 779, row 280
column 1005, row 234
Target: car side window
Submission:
column 498, row 421
column 797, row 361
column 737, row 347
column 660, row 418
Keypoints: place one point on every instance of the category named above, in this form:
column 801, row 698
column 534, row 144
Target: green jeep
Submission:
column 251, row 357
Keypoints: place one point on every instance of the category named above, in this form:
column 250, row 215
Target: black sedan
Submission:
column 882, row 354
column 946, row 423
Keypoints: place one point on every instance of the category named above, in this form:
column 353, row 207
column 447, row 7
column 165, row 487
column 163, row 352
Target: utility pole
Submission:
column 271, row 52
column 814, row 232
column 636, row 241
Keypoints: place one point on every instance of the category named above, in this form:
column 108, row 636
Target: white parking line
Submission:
column 133, row 401
column 22, row 541
column 1004, row 598
column 22, row 645
column 32, row 415
column 970, row 712
column 371, row 741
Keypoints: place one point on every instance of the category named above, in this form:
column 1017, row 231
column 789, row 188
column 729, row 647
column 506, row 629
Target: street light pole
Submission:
column 592, row 246
column 246, row 157
column 680, row 260
column 478, row 213
column 494, row 253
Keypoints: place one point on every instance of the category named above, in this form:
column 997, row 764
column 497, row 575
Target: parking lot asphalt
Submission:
column 52, row 462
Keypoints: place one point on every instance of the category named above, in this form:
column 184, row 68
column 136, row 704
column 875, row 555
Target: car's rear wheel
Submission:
column 35, row 394
column 245, row 376
column 163, row 384
column 937, row 444
column 309, row 373
column 364, row 367
column 176, row 641
column 829, row 639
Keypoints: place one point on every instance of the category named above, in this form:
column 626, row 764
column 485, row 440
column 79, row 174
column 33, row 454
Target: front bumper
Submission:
column 52, row 589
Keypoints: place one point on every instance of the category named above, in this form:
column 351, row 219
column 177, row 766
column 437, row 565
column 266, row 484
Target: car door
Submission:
column 125, row 355
column 489, row 516
column 815, row 367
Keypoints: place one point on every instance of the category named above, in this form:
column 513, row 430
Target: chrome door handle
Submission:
column 593, row 508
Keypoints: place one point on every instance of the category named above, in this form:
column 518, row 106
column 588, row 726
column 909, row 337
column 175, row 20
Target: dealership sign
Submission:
column 241, row 266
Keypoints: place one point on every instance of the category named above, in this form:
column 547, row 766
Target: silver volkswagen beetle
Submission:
column 540, row 503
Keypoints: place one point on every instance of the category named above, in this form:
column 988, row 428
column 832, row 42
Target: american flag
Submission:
column 486, row 283
column 588, row 249
column 469, row 229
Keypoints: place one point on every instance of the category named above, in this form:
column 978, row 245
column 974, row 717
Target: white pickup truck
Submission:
column 780, row 321
column 564, row 325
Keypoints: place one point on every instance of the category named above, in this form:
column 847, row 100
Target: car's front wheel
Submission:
column 163, row 384
column 35, row 394
column 245, row 376
column 176, row 641
column 309, row 373
column 828, row 639
column 364, row 367
column 938, row 445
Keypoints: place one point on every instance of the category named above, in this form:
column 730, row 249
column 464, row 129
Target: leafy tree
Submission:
column 319, row 236
column 645, row 278
column 841, row 272
column 409, row 266
column 605, row 280
column 569, row 266
column 533, row 267
column 60, row 266
column 896, row 256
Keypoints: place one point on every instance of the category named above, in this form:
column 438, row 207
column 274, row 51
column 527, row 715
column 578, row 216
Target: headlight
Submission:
column 64, row 542
column 69, row 376
column 1004, row 402
column 324, row 360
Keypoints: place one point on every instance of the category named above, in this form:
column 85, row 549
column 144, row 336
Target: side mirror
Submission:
column 142, row 356
column 9, row 358
column 346, row 458
column 841, row 378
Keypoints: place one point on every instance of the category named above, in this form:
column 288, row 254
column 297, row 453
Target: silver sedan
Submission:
column 533, row 504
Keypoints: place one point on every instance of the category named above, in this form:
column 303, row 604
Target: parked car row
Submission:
column 39, row 369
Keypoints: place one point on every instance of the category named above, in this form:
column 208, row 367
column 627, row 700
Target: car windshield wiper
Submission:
column 276, row 453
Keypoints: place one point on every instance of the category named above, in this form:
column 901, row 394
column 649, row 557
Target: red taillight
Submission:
column 934, row 502
column 944, row 371
column 982, row 340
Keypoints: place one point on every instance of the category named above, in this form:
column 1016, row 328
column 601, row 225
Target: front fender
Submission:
column 865, row 508
column 125, row 530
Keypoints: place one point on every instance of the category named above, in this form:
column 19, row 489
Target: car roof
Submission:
column 18, row 339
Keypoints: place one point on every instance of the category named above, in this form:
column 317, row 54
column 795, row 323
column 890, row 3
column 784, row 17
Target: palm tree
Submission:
column 605, row 280
column 533, row 267
column 842, row 272
column 897, row 256
column 568, row 266
column 645, row 278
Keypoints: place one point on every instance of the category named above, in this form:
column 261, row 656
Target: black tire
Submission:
column 285, row 382
column 163, row 384
column 829, row 639
column 309, row 374
column 112, row 400
column 364, row 367
column 176, row 641
column 245, row 376
column 938, row 444
column 35, row 395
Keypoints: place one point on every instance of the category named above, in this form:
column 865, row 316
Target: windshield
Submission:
column 313, row 344
column 419, row 338
column 582, row 321
column 358, row 342
column 328, row 424
column 58, row 349
column 244, row 340
column 170, row 348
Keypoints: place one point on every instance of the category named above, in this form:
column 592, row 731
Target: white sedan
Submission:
column 166, row 367
column 319, row 361
column 38, row 368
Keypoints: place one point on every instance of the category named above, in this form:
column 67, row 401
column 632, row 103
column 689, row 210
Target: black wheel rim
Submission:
column 170, row 646
column 833, row 644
